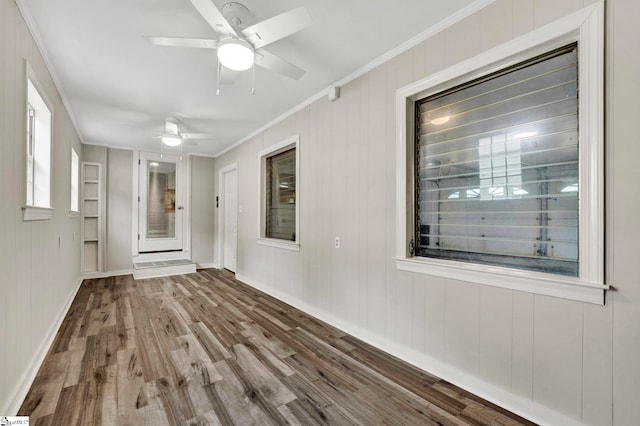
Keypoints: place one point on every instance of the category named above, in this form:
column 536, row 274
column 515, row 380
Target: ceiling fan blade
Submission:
column 227, row 76
column 203, row 43
column 171, row 127
column 196, row 136
column 278, row 27
column 213, row 16
column 275, row 63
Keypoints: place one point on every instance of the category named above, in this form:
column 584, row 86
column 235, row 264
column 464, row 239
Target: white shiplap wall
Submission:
column 555, row 361
column 39, row 261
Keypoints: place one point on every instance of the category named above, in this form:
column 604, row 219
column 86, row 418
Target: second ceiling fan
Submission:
column 239, row 48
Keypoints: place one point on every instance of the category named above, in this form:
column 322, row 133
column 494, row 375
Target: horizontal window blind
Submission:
column 497, row 168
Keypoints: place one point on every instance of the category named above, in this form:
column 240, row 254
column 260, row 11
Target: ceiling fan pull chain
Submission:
column 219, row 70
column 253, row 79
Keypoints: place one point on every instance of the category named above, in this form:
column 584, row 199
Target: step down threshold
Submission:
column 163, row 268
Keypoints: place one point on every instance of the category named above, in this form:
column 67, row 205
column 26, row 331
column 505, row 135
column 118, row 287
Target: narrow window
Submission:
column 38, row 179
column 75, row 171
column 31, row 119
column 279, row 195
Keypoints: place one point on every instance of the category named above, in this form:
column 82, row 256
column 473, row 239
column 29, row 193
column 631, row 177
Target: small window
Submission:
column 75, row 172
column 38, row 149
column 494, row 160
column 280, row 182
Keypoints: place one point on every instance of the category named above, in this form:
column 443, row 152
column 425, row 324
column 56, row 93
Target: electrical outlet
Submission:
column 337, row 242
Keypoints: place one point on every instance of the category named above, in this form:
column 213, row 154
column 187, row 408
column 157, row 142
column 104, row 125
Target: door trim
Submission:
column 220, row 252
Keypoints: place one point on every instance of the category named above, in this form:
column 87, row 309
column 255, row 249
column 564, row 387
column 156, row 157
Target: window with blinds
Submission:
column 497, row 168
column 280, row 193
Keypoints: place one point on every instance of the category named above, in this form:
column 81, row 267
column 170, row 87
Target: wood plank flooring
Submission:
column 206, row 349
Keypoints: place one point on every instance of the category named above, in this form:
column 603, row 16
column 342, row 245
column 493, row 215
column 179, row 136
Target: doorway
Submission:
column 160, row 199
column 228, row 217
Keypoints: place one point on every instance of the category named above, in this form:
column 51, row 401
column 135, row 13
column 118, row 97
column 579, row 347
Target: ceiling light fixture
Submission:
column 235, row 54
column 154, row 164
column 171, row 139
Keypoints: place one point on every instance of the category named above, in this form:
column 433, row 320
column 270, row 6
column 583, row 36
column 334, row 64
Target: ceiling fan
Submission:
column 239, row 48
column 173, row 137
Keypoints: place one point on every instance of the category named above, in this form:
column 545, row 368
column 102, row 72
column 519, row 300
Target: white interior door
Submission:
column 161, row 210
column 230, row 231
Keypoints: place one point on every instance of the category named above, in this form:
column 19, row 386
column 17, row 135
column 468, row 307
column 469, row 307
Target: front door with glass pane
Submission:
column 161, row 210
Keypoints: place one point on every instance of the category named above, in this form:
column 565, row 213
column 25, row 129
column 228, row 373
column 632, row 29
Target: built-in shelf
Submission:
column 91, row 218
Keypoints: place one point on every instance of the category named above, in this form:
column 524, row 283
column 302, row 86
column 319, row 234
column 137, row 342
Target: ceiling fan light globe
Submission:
column 235, row 54
column 171, row 140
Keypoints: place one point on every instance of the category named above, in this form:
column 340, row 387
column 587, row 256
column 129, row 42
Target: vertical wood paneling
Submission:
column 363, row 198
column 13, row 331
column 119, row 196
column 399, row 287
column 325, row 237
column 523, row 16
column 375, row 165
column 459, row 42
column 547, row 11
column 350, row 95
column 495, row 23
column 311, row 168
column 429, row 56
column 522, row 355
column 418, row 314
column 462, row 328
column 4, row 175
column 435, row 316
column 496, row 314
column 338, row 200
column 623, row 111
column 597, row 370
column 399, row 310
column 557, row 355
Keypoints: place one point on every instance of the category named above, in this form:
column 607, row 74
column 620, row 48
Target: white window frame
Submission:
column 586, row 27
column 40, row 207
column 282, row 146
column 74, row 208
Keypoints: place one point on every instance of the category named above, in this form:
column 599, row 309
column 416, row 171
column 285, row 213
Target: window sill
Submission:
column 74, row 214
column 30, row 213
column 282, row 244
column 513, row 279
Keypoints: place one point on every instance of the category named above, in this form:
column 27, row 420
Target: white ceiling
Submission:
column 120, row 88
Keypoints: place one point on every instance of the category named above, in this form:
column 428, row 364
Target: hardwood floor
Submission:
column 206, row 349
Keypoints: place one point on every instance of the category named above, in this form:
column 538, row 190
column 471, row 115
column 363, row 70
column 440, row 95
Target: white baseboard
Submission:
column 26, row 380
column 522, row 406
column 207, row 265
column 90, row 275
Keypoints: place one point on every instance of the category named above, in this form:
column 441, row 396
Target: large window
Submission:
column 279, row 195
column 500, row 165
column 497, row 168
